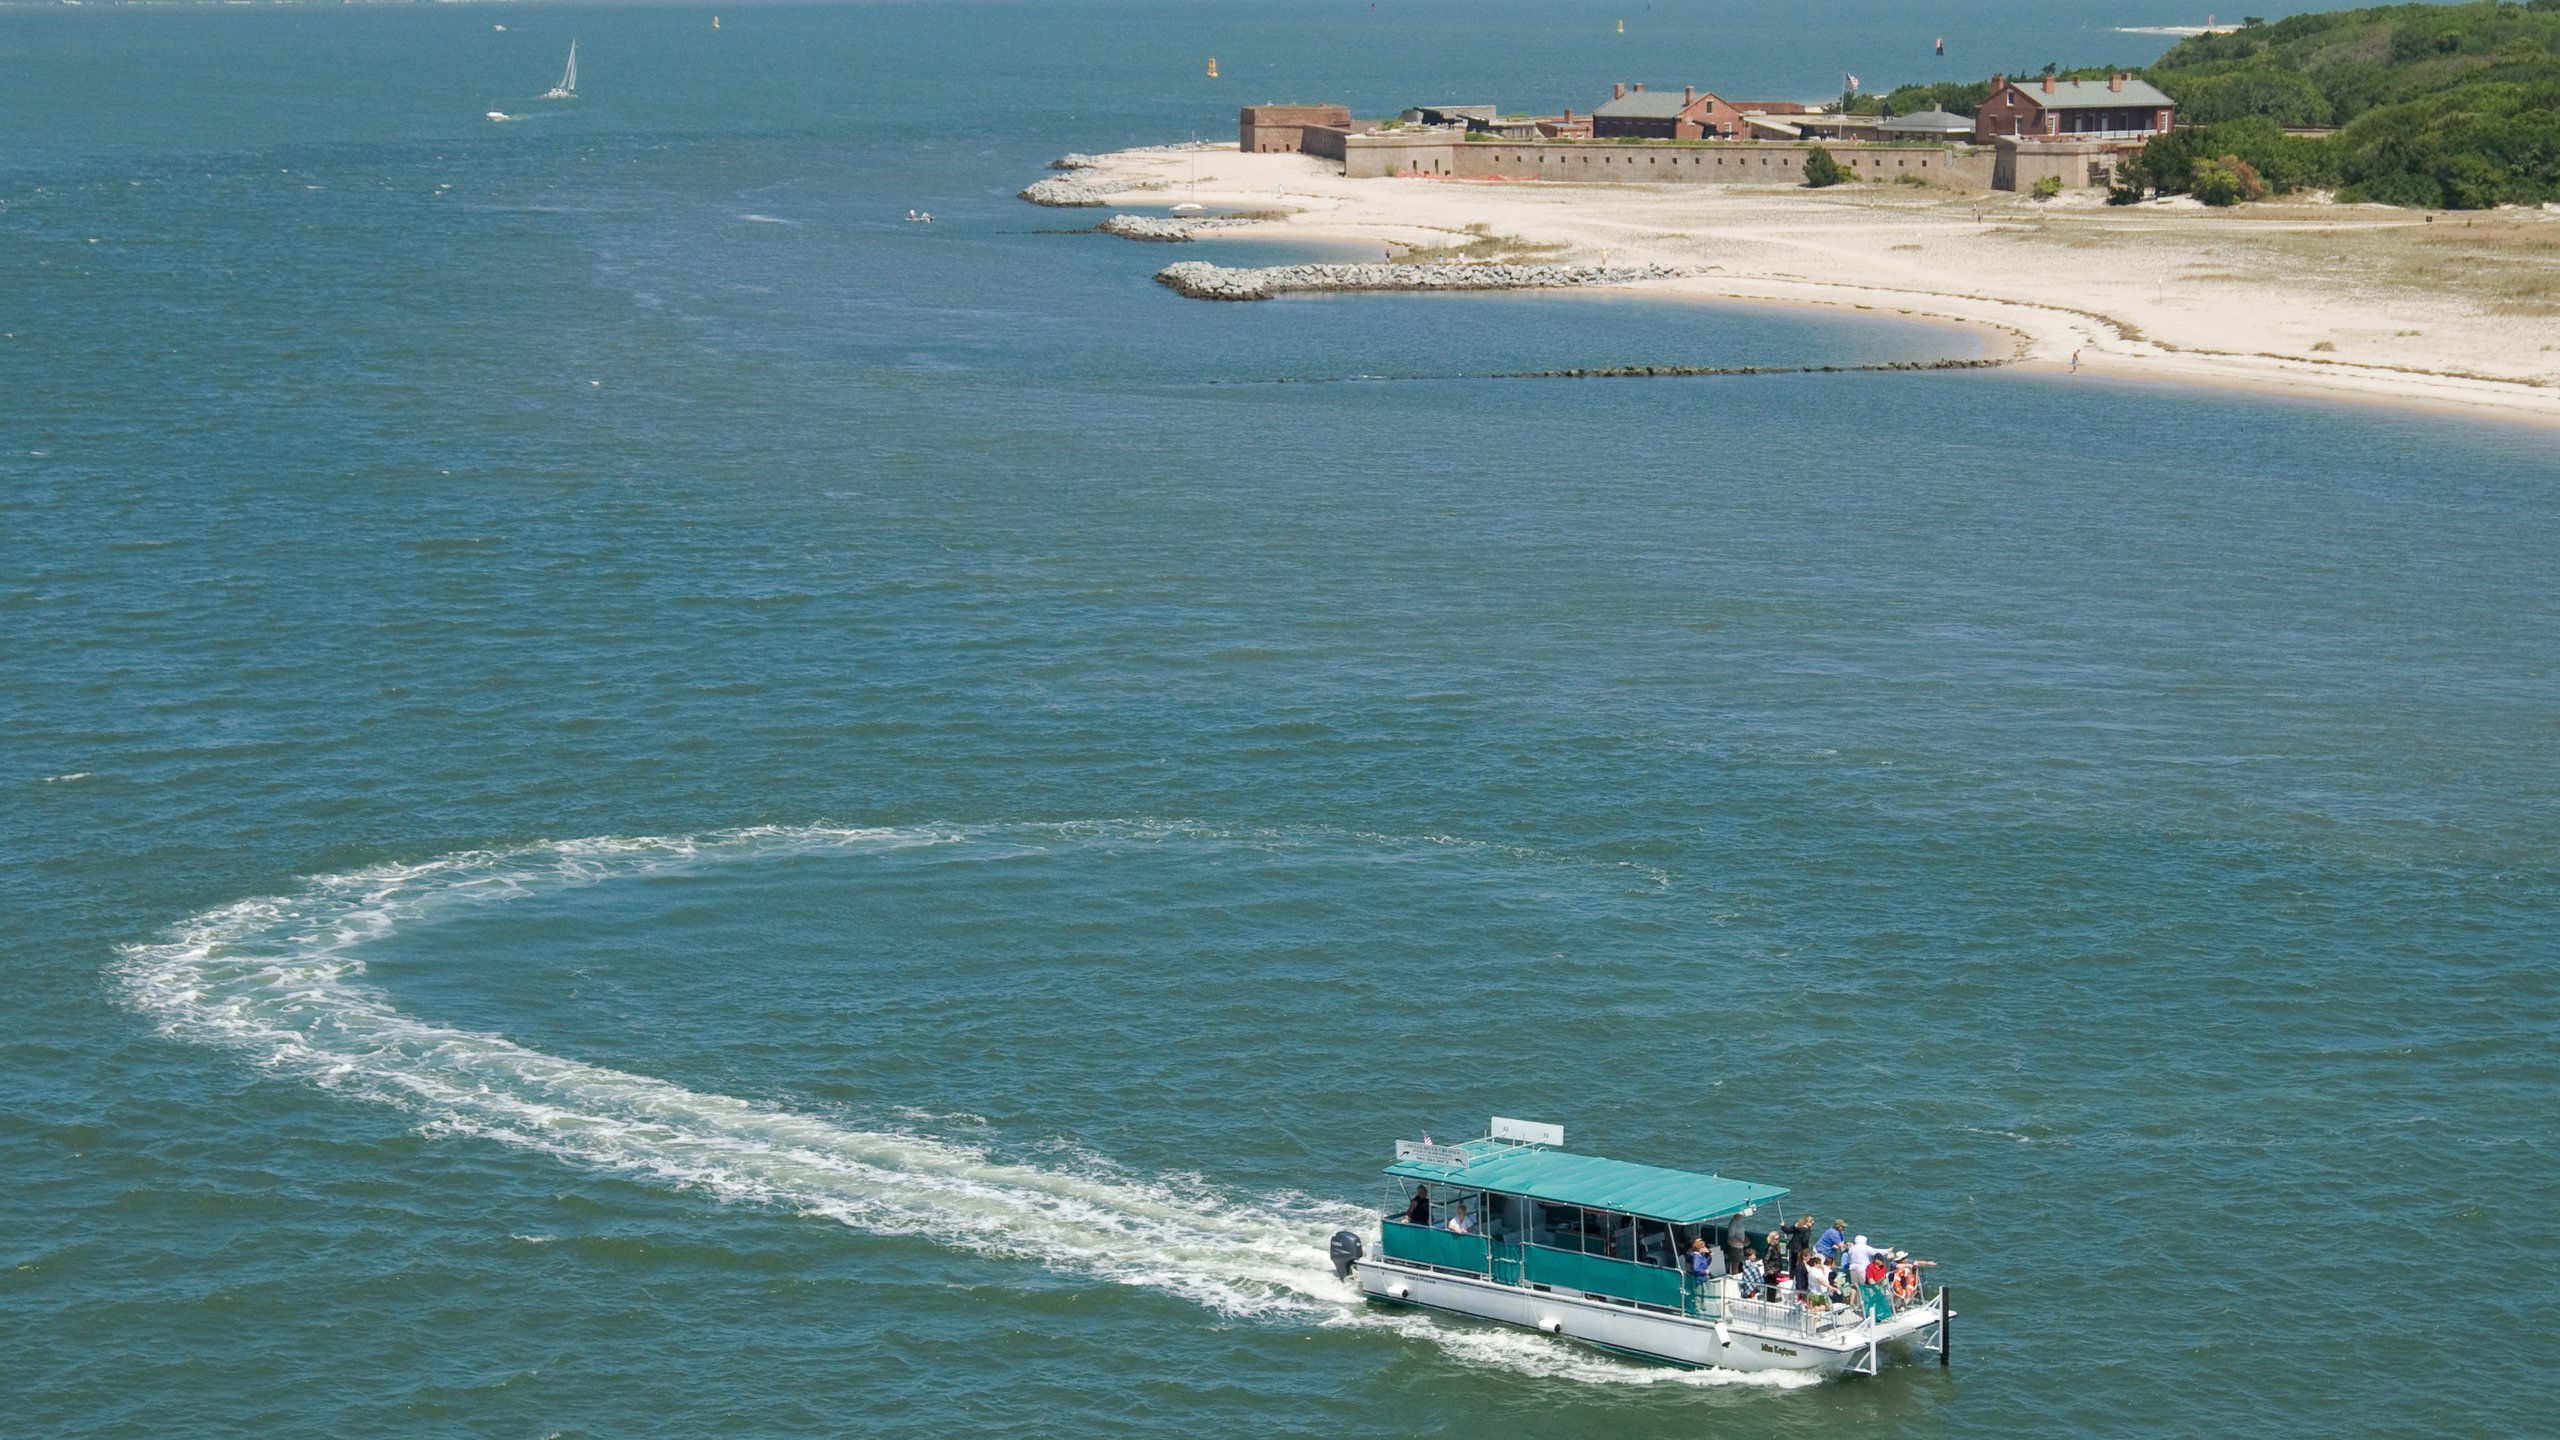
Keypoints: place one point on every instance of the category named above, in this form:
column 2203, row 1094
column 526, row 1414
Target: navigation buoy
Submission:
column 1213, row 67
column 1622, row 27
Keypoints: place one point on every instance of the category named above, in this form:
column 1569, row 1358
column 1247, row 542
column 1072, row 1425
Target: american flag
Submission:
column 1853, row 82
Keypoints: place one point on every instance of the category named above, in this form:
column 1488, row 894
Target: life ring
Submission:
column 1906, row 1284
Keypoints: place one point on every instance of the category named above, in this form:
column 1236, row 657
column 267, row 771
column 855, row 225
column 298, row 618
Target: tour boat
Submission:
column 1592, row 1250
column 567, row 89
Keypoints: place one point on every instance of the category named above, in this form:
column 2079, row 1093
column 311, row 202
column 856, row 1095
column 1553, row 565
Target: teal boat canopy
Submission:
column 1681, row 1197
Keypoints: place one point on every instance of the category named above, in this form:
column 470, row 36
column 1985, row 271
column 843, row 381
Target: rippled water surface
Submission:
column 641, row 799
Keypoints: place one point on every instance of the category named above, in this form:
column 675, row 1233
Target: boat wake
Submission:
column 281, row 980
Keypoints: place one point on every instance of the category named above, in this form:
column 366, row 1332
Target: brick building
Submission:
column 2118, row 107
column 1267, row 129
column 1635, row 114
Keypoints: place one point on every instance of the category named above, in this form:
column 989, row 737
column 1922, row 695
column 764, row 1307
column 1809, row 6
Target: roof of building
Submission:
column 2092, row 94
column 1930, row 122
column 1644, row 105
column 1680, row 1196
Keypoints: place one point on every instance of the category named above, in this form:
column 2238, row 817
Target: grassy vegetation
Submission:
column 1481, row 244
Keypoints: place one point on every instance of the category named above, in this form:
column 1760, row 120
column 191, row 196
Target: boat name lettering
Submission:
column 1775, row 1349
column 1424, row 1152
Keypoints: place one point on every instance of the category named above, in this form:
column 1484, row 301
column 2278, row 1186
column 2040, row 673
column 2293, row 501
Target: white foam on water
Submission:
column 280, row 979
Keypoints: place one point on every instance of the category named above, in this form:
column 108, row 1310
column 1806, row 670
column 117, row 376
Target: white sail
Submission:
column 567, row 89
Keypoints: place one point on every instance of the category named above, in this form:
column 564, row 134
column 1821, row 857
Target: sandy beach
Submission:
column 2365, row 303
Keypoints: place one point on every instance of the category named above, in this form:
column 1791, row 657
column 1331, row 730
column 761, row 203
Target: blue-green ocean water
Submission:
column 638, row 799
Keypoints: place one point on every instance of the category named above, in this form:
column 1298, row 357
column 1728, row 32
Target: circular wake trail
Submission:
column 281, row 980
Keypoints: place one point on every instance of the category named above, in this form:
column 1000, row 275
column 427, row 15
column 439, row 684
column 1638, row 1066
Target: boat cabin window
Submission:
column 1653, row 1244
column 1605, row 1232
column 1500, row 1217
column 1558, row 1227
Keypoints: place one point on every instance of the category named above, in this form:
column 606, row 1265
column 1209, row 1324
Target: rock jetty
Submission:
column 1156, row 227
column 1203, row 281
column 1064, row 193
column 1073, row 161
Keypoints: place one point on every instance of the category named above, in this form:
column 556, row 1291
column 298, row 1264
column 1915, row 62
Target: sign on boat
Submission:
column 1515, row 1228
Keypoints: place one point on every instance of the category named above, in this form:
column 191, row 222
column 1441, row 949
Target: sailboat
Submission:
column 567, row 89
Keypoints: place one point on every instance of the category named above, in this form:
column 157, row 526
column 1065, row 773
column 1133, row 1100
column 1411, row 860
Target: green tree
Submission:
column 1820, row 170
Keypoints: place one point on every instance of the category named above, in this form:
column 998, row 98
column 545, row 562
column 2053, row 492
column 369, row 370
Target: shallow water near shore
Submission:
column 644, row 799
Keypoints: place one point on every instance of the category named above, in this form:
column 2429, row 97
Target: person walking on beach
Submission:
column 2075, row 362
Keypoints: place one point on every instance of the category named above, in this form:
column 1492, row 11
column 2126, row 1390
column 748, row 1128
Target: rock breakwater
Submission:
column 1156, row 227
column 1074, row 161
column 1203, row 281
column 1064, row 193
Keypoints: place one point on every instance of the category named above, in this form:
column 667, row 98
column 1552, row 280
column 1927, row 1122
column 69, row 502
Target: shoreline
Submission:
column 2400, row 321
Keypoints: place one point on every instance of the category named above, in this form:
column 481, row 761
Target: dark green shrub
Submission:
column 1820, row 170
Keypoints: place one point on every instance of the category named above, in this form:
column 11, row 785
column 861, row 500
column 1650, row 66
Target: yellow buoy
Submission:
column 1213, row 67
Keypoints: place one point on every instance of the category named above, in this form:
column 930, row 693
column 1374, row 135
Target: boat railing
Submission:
column 1791, row 1314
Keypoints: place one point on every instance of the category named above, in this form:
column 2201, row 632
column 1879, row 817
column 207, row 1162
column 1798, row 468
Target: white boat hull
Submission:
column 1751, row 1337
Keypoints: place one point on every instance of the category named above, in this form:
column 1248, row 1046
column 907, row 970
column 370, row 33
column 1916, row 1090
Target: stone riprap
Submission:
column 1157, row 227
column 1203, row 281
column 1065, row 194
column 1072, row 161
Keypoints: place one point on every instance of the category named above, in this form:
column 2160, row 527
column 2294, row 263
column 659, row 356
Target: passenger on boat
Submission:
column 1460, row 1222
column 1698, row 1258
column 1906, row 1276
column 1871, row 1291
column 1736, row 1241
column 1833, row 1241
column 1419, row 1212
column 1860, row 1252
column 1754, row 1279
column 1816, row 1285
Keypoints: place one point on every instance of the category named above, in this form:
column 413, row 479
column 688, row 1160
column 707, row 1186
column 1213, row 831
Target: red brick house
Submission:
column 2116, row 108
column 1635, row 114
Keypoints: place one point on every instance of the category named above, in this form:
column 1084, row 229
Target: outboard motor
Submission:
column 1346, row 1249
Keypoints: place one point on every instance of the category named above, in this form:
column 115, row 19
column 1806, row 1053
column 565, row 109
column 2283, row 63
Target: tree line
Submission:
column 2434, row 106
